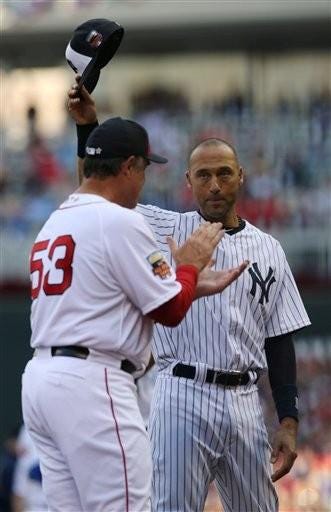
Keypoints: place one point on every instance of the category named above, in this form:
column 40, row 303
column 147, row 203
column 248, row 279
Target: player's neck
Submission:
column 230, row 221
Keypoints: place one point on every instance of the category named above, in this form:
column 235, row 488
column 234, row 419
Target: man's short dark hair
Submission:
column 102, row 168
column 214, row 141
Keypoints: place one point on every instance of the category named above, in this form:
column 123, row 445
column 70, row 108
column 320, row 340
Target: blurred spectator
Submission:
column 262, row 182
column 320, row 115
column 27, row 493
column 8, row 455
column 263, row 204
column 44, row 167
column 31, row 115
column 159, row 98
column 234, row 104
column 294, row 170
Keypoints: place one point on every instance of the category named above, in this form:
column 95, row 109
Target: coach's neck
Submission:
column 113, row 188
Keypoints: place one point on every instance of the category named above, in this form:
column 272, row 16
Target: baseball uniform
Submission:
column 94, row 279
column 200, row 430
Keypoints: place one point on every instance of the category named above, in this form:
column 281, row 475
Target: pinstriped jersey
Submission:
column 228, row 330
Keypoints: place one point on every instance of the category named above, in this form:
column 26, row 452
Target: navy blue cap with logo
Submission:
column 91, row 47
column 118, row 137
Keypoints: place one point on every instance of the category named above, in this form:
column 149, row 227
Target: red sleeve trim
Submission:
column 171, row 313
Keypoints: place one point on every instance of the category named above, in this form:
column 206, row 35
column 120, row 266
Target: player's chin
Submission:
column 215, row 211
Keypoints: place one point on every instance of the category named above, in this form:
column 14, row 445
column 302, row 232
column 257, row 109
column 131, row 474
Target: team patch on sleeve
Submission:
column 159, row 265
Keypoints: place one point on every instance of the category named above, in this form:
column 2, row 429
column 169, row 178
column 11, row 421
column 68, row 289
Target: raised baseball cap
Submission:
column 119, row 137
column 91, row 47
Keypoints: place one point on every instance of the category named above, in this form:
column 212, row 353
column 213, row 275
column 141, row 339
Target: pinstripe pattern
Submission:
column 201, row 432
column 234, row 322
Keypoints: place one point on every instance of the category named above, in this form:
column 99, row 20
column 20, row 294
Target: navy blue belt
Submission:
column 232, row 378
column 83, row 353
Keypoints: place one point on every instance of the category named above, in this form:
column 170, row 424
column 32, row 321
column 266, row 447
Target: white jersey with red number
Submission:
column 96, row 270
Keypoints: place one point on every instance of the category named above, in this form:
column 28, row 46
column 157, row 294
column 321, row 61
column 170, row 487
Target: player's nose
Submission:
column 214, row 185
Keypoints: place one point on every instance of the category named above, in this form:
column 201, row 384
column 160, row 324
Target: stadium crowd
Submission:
column 286, row 152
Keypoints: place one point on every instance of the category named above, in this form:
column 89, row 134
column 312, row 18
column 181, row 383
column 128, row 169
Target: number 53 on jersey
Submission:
column 51, row 266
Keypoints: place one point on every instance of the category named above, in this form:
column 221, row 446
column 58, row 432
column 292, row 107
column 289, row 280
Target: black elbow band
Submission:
column 286, row 402
column 83, row 132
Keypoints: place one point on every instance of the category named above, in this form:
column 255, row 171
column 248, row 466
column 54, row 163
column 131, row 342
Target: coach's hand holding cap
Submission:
column 91, row 47
column 119, row 137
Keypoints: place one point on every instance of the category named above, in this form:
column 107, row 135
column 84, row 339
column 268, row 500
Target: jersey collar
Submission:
column 231, row 231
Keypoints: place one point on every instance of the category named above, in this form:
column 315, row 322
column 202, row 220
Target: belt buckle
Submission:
column 238, row 374
column 220, row 373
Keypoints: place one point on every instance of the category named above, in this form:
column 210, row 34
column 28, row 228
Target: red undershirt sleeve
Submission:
column 171, row 313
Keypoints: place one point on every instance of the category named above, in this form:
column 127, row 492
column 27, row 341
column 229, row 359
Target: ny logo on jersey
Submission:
column 264, row 284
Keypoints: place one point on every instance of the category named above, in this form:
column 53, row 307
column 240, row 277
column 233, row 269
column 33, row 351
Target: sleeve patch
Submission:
column 159, row 265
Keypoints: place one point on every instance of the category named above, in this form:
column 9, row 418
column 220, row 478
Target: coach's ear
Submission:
column 128, row 166
column 188, row 178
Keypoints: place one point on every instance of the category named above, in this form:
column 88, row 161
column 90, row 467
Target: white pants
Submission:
column 85, row 423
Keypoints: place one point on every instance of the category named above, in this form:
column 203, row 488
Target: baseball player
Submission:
column 98, row 283
column 206, row 420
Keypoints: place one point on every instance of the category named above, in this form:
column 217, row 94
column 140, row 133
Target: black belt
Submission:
column 83, row 352
column 233, row 378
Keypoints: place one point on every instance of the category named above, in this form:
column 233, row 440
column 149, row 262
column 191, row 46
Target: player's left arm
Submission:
column 288, row 315
column 281, row 362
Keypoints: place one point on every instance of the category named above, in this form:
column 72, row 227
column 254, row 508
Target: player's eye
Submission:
column 203, row 175
column 225, row 173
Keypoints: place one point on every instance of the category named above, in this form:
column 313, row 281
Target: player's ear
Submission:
column 188, row 178
column 241, row 175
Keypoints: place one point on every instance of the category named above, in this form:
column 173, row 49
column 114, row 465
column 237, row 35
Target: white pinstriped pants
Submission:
column 203, row 432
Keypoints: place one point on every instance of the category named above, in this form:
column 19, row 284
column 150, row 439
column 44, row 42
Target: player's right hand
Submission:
column 81, row 105
column 199, row 247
